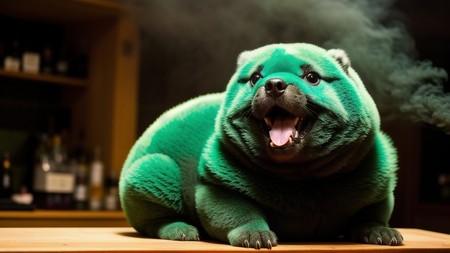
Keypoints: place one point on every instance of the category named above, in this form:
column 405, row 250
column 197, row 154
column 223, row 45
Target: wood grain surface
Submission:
column 127, row 240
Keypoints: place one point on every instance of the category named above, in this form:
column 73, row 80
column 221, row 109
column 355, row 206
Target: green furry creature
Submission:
column 292, row 150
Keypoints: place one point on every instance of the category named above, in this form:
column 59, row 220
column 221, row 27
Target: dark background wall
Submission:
column 190, row 48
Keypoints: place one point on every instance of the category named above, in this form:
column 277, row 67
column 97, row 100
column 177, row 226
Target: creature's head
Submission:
column 295, row 109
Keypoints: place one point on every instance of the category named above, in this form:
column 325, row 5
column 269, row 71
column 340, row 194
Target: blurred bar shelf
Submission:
column 45, row 78
column 62, row 218
column 100, row 106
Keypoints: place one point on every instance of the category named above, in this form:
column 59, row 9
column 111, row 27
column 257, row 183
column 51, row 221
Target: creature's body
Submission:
column 292, row 150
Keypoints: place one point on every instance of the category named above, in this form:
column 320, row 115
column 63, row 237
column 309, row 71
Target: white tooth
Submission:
column 290, row 140
column 296, row 121
column 296, row 134
column 269, row 124
column 272, row 145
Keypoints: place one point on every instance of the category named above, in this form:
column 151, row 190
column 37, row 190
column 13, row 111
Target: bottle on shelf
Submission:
column 112, row 192
column 66, row 177
column 47, row 60
column 54, row 181
column 96, row 182
column 12, row 58
column 30, row 60
column 6, row 183
column 42, row 170
column 81, row 191
column 62, row 62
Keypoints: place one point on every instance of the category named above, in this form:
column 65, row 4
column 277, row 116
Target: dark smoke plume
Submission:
column 201, row 40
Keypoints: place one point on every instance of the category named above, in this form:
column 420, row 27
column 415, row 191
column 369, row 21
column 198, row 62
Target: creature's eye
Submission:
column 313, row 78
column 255, row 78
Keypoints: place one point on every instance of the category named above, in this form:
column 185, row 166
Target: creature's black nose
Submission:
column 275, row 87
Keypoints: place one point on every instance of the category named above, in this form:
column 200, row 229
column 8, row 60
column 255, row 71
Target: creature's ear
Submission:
column 243, row 57
column 341, row 57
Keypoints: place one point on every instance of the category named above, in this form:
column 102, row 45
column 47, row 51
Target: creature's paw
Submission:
column 179, row 231
column 253, row 239
column 380, row 235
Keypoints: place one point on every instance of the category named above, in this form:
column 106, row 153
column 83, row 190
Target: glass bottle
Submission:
column 6, row 184
column 81, row 192
column 96, row 182
column 12, row 58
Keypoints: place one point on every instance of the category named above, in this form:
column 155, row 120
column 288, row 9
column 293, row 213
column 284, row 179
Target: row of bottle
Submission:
column 61, row 181
column 41, row 59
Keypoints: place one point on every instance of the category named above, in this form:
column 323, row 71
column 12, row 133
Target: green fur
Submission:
column 204, row 168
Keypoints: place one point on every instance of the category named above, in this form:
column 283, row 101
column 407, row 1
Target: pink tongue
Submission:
column 282, row 129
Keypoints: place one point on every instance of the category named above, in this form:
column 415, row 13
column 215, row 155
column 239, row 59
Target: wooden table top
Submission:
column 125, row 239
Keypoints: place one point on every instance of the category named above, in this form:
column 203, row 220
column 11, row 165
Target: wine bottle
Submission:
column 96, row 186
column 6, row 186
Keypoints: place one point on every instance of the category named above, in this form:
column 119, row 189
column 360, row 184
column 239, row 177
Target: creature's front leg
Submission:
column 229, row 217
column 370, row 225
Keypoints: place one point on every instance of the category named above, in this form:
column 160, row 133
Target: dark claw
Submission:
column 269, row 244
column 258, row 245
column 246, row 244
column 379, row 241
column 393, row 241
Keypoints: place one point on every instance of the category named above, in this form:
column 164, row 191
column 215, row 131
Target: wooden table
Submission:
column 125, row 239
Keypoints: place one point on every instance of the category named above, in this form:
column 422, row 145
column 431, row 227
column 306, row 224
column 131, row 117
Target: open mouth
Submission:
column 285, row 129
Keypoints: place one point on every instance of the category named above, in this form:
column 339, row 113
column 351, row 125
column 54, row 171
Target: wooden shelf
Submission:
column 45, row 78
column 60, row 218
